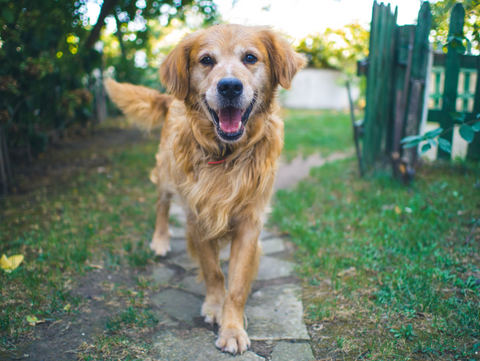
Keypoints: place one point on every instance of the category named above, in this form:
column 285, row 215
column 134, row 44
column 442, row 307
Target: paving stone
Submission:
column 271, row 268
column 178, row 245
column 225, row 253
column 195, row 345
column 190, row 284
column 184, row 261
column 162, row 274
column 273, row 245
column 275, row 313
column 265, row 234
column 179, row 304
column 178, row 232
column 287, row 351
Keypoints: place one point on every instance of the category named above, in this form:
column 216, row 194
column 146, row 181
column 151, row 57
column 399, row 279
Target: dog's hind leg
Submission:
column 161, row 237
column 244, row 258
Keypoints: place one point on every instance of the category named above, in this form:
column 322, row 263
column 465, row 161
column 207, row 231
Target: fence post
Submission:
column 473, row 152
column 379, row 83
column 452, row 70
column 421, row 49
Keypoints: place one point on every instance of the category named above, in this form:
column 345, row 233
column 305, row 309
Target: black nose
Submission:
column 230, row 88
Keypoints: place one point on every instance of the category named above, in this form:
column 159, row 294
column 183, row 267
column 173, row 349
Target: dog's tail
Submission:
column 143, row 106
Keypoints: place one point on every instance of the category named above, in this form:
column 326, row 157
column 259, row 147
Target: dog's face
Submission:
column 230, row 72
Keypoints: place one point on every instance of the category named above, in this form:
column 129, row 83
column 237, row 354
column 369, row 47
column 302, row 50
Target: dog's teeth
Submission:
column 239, row 126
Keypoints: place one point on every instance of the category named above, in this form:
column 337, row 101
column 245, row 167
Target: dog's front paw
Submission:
column 233, row 340
column 160, row 244
column 212, row 311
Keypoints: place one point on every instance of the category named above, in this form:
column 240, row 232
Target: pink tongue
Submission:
column 230, row 118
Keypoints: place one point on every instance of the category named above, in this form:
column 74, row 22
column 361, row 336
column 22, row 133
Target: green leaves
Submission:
column 467, row 133
column 445, row 145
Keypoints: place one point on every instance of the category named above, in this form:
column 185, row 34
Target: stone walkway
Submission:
column 274, row 309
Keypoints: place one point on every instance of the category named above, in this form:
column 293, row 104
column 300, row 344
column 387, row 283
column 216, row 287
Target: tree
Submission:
column 441, row 11
column 48, row 60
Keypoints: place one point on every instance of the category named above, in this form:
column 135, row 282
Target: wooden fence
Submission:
column 397, row 97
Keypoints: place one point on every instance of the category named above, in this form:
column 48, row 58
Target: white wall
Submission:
column 317, row 89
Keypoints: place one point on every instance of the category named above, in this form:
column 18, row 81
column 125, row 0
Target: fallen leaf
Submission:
column 8, row 264
column 32, row 320
column 67, row 307
column 398, row 210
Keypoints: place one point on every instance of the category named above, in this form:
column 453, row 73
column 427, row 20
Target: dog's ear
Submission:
column 284, row 61
column 174, row 73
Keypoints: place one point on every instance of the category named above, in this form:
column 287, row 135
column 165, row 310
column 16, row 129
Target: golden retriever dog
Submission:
column 219, row 150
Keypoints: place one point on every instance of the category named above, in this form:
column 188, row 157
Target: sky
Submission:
column 299, row 18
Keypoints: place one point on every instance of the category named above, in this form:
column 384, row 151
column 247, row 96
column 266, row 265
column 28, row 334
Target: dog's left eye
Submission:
column 206, row 61
column 250, row 59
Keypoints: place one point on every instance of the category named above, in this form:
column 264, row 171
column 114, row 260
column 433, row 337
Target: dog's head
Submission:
column 230, row 72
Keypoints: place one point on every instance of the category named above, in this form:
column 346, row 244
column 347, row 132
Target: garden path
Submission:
column 274, row 308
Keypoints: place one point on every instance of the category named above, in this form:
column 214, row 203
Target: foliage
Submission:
column 52, row 59
column 337, row 49
column 441, row 11
column 467, row 132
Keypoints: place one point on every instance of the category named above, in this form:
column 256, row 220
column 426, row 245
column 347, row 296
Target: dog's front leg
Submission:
column 212, row 308
column 244, row 258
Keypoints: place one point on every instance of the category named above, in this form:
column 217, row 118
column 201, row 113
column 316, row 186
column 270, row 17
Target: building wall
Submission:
column 317, row 89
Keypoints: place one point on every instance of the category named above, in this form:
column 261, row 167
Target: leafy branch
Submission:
column 467, row 131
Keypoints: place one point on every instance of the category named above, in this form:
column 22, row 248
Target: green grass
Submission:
column 316, row 131
column 100, row 218
column 387, row 273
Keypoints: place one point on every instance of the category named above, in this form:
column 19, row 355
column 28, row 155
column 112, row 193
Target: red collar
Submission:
column 218, row 162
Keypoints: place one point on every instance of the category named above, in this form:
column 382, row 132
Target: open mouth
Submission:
column 231, row 121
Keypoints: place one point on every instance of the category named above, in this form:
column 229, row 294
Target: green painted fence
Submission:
column 397, row 72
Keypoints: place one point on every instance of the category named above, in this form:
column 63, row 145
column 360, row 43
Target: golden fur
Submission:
column 227, row 201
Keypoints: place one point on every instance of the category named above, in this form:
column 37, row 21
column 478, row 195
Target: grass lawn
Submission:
column 316, row 131
column 102, row 218
column 386, row 270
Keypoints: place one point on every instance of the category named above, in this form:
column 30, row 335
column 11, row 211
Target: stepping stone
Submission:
column 273, row 245
column 162, row 274
column 271, row 268
column 178, row 232
column 287, row 351
column 265, row 234
column 276, row 313
column 181, row 305
column 190, row 284
column 269, row 246
column 178, row 245
column 225, row 252
column 195, row 345
column 185, row 262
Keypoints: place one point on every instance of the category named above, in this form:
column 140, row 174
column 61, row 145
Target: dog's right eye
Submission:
column 206, row 60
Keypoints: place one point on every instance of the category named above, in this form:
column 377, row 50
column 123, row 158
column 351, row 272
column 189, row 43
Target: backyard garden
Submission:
column 379, row 268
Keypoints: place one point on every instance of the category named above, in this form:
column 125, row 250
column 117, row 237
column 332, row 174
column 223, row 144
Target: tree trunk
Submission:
column 107, row 8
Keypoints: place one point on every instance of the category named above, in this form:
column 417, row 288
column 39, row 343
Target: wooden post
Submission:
column 473, row 152
column 452, row 71
column 421, row 48
column 378, row 111
column 355, row 131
